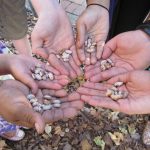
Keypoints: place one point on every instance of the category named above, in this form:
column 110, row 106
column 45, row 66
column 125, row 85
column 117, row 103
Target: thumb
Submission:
column 120, row 78
column 109, row 48
column 80, row 34
column 37, row 47
column 81, row 31
column 30, row 83
column 28, row 117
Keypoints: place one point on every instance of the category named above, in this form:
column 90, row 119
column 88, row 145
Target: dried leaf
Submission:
column 58, row 130
column 2, row 144
column 74, row 84
column 99, row 142
column 67, row 147
column 123, row 130
column 131, row 129
column 113, row 115
column 85, row 145
column 45, row 136
column 116, row 137
column 48, row 129
column 93, row 112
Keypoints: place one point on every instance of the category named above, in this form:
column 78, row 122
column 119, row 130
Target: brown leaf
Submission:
column 58, row 130
column 2, row 144
column 85, row 145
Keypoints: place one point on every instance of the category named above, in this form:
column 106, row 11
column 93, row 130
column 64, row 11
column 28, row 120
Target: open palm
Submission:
column 137, row 85
column 128, row 51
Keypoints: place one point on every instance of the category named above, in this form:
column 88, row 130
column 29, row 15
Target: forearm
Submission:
column 45, row 6
column 4, row 64
column 104, row 3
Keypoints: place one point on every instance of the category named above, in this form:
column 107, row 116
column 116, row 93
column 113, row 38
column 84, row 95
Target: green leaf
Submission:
column 99, row 142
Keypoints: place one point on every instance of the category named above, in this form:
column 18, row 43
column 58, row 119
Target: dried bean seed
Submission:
column 30, row 96
column 47, row 97
column 118, row 84
column 56, row 105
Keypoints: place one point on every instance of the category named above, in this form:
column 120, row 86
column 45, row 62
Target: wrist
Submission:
column 46, row 6
column 143, row 35
column 103, row 3
column 99, row 12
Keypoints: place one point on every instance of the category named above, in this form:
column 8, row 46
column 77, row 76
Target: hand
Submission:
column 65, row 68
column 51, row 35
column 138, row 87
column 57, row 84
column 94, row 23
column 16, row 108
column 128, row 51
column 21, row 69
column 70, row 106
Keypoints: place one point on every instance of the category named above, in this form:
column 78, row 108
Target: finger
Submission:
column 58, row 93
column 125, row 77
column 81, row 31
column 81, row 54
column 100, row 101
column 75, row 56
column 28, row 80
column 109, row 47
column 37, row 47
column 87, row 59
column 93, row 58
column 39, row 96
column 57, row 64
column 97, row 86
column 63, row 82
column 90, row 67
column 60, row 77
column 59, row 114
column 74, row 96
column 100, row 47
column 93, row 73
column 72, row 104
column 92, row 92
column 71, row 97
column 75, row 67
column 49, row 85
column 105, row 75
column 31, row 118
column 51, row 69
column 71, row 71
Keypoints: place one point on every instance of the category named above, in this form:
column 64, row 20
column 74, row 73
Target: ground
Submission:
column 92, row 129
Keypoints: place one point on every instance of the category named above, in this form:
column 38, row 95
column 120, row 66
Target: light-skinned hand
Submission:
column 128, row 51
column 52, row 34
column 136, row 83
column 21, row 67
column 94, row 23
